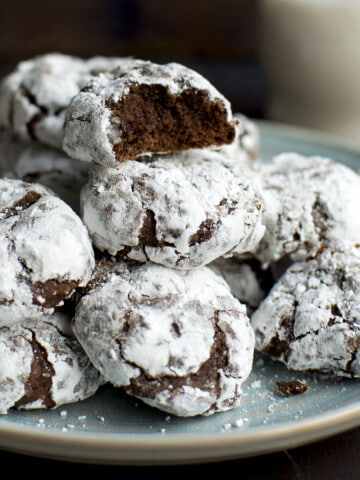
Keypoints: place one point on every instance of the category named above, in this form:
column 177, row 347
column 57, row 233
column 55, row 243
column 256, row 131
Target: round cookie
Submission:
column 308, row 202
column 43, row 366
column 52, row 168
column 311, row 318
column 177, row 340
column 45, row 251
column 141, row 108
column 34, row 97
column 181, row 210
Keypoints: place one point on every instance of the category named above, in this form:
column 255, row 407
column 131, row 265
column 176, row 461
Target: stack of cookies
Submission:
column 162, row 170
column 132, row 193
column 162, row 201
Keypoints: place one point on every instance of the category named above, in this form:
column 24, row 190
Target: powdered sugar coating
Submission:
column 45, row 251
column 178, row 340
column 31, row 352
column 34, row 97
column 247, row 282
column 308, row 201
column 310, row 319
column 90, row 133
column 52, row 168
column 181, row 210
column 246, row 144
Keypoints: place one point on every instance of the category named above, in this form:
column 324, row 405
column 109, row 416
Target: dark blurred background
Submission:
column 218, row 38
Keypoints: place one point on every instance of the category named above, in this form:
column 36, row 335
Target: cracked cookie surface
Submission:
column 45, row 251
column 309, row 202
column 311, row 318
column 177, row 340
column 181, row 210
column 42, row 365
column 34, row 97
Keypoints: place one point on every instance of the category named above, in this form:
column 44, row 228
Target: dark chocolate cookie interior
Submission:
column 151, row 119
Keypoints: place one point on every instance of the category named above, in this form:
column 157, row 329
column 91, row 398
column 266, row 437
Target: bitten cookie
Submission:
column 43, row 366
column 311, row 318
column 181, row 210
column 308, row 202
column 34, row 97
column 179, row 341
column 142, row 108
column 35, row 163
column 45, row 251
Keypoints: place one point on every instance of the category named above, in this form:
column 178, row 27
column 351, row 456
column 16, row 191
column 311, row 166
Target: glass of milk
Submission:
column 310, row 52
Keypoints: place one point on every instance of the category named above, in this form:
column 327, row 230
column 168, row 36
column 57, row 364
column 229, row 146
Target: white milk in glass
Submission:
column 310, row 51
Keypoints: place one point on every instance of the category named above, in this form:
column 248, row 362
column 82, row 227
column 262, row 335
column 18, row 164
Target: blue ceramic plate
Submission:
column 115, row 429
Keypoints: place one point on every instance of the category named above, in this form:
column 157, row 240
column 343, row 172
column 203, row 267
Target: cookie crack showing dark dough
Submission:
column 206, row 378
column 320, row 218
column 39, row 382
column 29, row 199
column 230, row 205
column 11, row 112
column 43, row 111
column 281, row 347
column 32, row 100
column 50, row 293
column 352, row 344
column 337, row 315
column 276, row 347
column 147, row 234
column 31, row 124
column 205, row 232
column 151, row 119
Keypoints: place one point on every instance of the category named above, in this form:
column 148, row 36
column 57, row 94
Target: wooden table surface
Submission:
column 335, row 458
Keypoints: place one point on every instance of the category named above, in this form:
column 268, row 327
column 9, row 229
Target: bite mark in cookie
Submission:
column 151, row 119
column 142, row 108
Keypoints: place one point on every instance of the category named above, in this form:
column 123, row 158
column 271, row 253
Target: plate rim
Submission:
column 175, row 448
column 309, row 134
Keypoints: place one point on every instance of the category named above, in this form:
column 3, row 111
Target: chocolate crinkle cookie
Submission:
column 181, row 210
column 45, row 251
column 141, row 108
column 35, row 163
column 177, row 340
column 311, row 318
column 308, row 201
column 42, row 365
column 34, row 97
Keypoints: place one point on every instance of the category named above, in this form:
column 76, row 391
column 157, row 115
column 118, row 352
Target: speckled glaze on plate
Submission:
column 111, row 428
